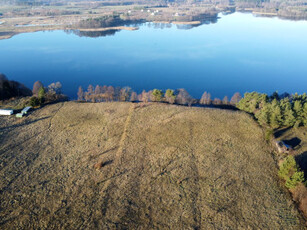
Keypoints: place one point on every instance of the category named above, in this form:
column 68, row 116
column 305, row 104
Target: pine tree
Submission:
column 305, row 114
column 263, row 115
column 298, row 110
column 287, row 112
column 170, row 96
column 41, row 95
column 157, row 95
column 276, row 116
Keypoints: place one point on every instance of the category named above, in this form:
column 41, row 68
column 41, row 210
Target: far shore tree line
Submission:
column 178, row 96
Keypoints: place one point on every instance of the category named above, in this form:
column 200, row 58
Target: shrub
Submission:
column 170, row 96
column 98, row 165
column 269, row 134
column 290, row 172
column 157, row 95
column 34, row 102
column 295, row 179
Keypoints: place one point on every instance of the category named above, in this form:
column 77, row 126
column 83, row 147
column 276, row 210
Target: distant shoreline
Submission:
column 109, row 28
column 33, row 29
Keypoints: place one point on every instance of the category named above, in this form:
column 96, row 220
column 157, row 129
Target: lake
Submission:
column 238, row 53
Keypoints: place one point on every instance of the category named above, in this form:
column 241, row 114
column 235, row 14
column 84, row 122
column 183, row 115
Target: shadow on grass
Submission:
column 294, row 142
column 280, row 132
column 302, row 162
column 107, row 163
column 23, row 124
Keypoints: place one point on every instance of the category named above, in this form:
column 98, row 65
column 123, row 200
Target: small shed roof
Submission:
column 26, row 109
column 6, row 111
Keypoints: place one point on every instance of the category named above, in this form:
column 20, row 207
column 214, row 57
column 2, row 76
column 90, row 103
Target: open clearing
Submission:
column 162, row 167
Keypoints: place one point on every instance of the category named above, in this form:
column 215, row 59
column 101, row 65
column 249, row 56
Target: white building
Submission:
column 6, row 112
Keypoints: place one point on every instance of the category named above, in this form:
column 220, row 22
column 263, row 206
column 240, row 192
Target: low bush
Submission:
column 34, row 102
column 291, row 173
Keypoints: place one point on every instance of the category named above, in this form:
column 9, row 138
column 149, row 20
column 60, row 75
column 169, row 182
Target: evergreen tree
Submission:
column 157, row 95
column 263, row 115
column 170, row 96
column 298, row 110
column 252, row 101
column 41, row 95
column 288, row 114
column 276, row 116
column 305, row 114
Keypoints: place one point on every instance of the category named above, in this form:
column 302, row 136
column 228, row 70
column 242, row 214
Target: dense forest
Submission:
column 9, row 89
column 277, row 110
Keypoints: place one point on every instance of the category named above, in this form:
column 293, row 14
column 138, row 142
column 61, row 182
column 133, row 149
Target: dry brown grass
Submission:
column 299, row 194
column 162, row 166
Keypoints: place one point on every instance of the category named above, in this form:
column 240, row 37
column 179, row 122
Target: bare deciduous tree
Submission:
column 225, row 100
column 205, row 99
column 133, row 97
column 80, row 94
column 235, row 98
column 184, row 98
column 36, row 86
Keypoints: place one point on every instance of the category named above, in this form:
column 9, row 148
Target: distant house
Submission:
column 6, row 112
column 282, row 147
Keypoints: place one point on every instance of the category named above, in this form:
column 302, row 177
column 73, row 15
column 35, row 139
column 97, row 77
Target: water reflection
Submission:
column 203, row 19
column 92, row 34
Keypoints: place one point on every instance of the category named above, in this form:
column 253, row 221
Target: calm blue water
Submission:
column 238, row 53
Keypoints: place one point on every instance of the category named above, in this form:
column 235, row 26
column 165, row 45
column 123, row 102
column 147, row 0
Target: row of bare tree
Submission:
column 179, row 96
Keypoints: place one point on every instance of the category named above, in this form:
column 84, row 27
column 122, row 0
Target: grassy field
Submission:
column 156, row 166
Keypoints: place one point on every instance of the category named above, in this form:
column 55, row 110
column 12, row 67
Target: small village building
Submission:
column 282, row 147
column 26, row 110
column 6, row 112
